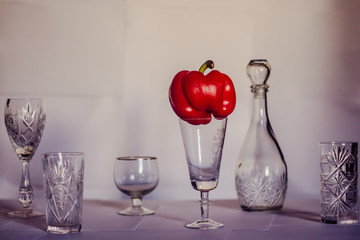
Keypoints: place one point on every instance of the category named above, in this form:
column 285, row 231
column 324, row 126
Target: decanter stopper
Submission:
column 258, row 71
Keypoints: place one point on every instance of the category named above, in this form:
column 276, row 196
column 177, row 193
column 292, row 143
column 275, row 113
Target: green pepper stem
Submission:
column 206, row 65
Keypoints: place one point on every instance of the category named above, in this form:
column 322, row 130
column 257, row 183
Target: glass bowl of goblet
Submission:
column 136, row 176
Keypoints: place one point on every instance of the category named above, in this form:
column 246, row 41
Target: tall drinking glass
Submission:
column 63, row 188
column 25, row 121
column 203, row 147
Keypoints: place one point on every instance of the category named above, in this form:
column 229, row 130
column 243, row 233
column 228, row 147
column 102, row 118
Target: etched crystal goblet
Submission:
column 136, row 176
column 203, row 147
column 25, row 121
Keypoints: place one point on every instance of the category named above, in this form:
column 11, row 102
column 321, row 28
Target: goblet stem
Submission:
column 204, row 222
column 136, row 209
column 26, row 195
column 204, row 205
column 136, row 202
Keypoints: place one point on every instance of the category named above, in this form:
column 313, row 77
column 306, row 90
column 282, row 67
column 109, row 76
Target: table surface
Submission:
column 299, row 219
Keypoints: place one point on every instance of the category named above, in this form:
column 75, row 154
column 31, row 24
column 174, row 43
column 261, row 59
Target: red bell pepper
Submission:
column 194, row 95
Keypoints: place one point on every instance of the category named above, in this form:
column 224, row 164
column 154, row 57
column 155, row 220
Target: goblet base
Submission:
column 136, row 211
column 204, row 224
column 24, row 213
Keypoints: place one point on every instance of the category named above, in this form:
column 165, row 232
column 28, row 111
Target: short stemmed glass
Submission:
column 136, row 176
column 203, row 147
column 25, row 121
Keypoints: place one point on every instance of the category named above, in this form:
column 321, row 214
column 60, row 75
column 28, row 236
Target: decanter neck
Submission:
column 259, row 90
column 260, row 113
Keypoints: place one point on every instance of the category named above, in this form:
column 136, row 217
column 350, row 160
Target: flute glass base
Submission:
column 204, row 224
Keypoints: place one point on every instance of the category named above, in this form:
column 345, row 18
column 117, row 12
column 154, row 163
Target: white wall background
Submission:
column 104, row 67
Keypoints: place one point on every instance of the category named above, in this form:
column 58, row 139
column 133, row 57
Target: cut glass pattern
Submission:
column 25, row 127
column 338, row 183
column 64, row 191
column 256, row 190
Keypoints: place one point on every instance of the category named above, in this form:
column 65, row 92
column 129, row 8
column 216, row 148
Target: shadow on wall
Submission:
column 350, row 57
column 343, row 88
column 350, row 60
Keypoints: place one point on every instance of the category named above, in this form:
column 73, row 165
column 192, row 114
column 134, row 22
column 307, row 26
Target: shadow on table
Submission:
column 286, row 211
column 33, row 222
column 231, row 204
column 304, row 215
column 107, row 203
column 117, row 205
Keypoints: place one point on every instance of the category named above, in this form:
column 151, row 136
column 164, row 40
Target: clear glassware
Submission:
column 339, row 182
column 25, row 121
column 203, row 147
column 63, row 188
column 136, row 176
column 261, row 171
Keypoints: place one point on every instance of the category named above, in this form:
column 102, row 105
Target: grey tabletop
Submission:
column 299, row 219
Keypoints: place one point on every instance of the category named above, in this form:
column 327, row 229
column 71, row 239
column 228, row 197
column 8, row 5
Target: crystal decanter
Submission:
column 261, row 172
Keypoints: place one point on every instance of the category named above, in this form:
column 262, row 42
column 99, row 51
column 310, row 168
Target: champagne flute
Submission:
column 25, row 121
column 203, row 146
column 136, row 176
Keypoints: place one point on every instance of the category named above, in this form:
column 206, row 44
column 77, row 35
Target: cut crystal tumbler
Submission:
column 339, row 176
column 63, row 185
